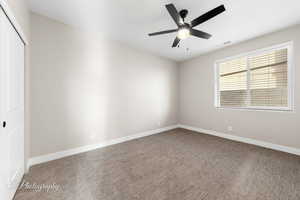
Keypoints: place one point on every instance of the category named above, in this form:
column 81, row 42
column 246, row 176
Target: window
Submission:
column 256, row 80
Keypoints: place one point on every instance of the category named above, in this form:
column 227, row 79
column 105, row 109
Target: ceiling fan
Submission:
column 184, row 29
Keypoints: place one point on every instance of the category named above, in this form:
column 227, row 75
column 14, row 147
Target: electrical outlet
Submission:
column 229, row 128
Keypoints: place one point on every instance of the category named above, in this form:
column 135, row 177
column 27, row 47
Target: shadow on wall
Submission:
column 87, row 89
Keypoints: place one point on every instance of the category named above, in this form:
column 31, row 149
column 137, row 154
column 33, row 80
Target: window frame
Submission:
column 290, row 68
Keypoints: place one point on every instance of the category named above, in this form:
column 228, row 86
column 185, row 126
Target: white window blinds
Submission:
column 233, row 83
column 254, row 81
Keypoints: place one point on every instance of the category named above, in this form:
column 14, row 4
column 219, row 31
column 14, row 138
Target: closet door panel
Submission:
column 4, row 138
column 12, row 108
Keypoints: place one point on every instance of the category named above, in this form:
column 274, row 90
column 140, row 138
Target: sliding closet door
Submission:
column 12, row 108
column 3, row 136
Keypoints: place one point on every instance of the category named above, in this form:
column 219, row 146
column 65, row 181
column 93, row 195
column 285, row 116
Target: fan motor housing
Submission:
column 185, row 26
column 183, row 13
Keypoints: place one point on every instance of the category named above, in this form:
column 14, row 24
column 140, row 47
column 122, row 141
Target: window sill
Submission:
column 270, row 109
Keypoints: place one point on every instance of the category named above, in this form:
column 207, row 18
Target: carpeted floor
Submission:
column 175, row 165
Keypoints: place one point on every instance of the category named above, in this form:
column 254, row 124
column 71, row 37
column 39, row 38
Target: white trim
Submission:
column 57, row 155
column 253, row 108
column 257, row 52
column 291, row 84
column 291, row 76
column 268, row 145
column 248, row 97
column 54, row 156
column 13, row 20
column 217, row 85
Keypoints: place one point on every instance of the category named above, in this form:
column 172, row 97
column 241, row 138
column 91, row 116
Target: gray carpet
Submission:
column 175, row 165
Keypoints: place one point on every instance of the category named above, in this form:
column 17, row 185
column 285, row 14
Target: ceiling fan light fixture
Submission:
column 184, row 29
column 183, row 33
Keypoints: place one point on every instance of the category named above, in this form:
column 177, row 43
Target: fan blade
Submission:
column 163, row 32
column 208, row 15
column 174, row 14
column 176, row 42
column 200, row 34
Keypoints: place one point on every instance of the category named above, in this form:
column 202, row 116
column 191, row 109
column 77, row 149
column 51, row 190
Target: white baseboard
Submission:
column 57, row 155
column 53, row 156
column 268, row 145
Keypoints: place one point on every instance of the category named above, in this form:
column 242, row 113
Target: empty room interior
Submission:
column 149, row 100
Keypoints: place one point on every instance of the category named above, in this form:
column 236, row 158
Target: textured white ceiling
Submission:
column 130, row 21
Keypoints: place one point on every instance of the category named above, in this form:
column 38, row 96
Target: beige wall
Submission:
column 22, row 14
column 197, row 96
column 75, row 105
column 88, row 90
